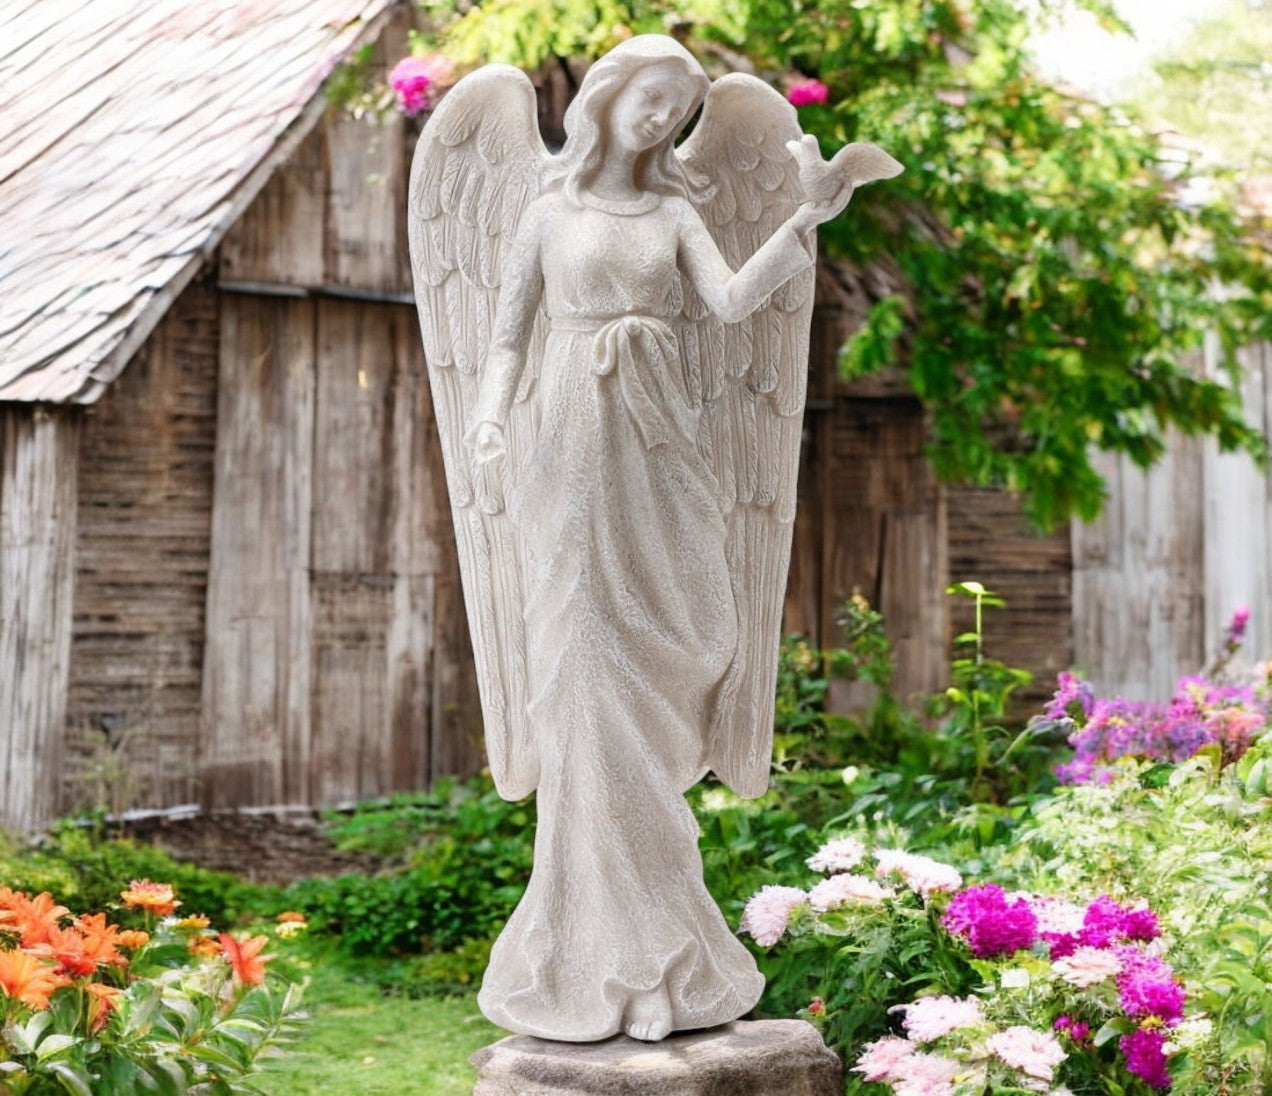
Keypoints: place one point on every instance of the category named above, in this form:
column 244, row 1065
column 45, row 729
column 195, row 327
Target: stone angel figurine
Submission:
column 617, row 339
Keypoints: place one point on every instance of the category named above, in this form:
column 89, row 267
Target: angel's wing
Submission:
column 477, row 166
column 752, row 378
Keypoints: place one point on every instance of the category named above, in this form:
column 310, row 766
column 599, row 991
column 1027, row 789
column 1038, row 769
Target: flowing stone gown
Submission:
column 631, row 622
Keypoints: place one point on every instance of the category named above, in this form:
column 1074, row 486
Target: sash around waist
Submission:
column 631, row 321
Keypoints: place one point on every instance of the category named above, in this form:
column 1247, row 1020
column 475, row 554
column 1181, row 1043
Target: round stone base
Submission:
column 744, row 1058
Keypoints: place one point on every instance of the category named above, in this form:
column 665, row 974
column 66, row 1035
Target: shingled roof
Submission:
column 132, row 135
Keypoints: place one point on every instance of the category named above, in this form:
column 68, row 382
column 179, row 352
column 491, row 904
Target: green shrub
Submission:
column 82, row 868
column 462, row 859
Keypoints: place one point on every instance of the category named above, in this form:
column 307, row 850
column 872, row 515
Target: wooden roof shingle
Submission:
column 132, row 135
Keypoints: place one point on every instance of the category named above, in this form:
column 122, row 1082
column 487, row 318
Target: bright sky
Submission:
column 1080, row 53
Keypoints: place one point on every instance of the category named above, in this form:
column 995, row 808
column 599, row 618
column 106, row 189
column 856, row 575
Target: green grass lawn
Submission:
column 362, row 1043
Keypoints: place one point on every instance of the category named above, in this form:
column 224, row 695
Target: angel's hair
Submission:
column 658, row 169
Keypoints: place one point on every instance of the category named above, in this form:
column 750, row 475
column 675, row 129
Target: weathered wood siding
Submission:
column 145, row 506
column 992, row 543
column 1177, row 549
column 871, row 517
column 330, row 671
column 37, row 574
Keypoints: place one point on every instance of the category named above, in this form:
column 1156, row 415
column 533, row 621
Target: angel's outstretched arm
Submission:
column 734, row 296
column 520, row 289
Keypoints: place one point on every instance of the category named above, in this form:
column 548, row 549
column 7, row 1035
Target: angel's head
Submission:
column 640, row 93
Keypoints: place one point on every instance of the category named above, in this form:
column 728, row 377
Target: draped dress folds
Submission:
column 631, row 623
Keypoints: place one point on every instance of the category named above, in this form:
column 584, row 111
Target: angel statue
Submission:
column 620, row 416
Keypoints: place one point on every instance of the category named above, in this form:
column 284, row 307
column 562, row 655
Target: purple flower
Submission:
column 1147, row 987
column 1073, row 699
column 1145, row 1057
column 990, row 923
column 1234, row 636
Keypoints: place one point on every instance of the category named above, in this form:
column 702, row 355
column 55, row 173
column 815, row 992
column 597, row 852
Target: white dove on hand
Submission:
column 829, row 183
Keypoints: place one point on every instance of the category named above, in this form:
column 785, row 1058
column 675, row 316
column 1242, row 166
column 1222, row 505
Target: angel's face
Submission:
column 650, row 106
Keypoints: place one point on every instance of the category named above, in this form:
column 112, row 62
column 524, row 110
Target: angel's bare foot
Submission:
column 649, row 1017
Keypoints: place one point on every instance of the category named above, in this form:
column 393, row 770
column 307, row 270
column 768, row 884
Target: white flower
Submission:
column 929, row 1018
column 843, row 890
column 841, row 854
column 1034, row 1053
column 921, row 874
column 1058, row 916
column 1189, row 1035
column 1087, row 966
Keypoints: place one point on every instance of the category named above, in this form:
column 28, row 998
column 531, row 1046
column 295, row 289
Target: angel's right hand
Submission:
column 488, row 442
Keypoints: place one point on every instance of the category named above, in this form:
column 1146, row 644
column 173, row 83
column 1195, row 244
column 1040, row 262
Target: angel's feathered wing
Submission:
column 752, row 378
column 477, row 166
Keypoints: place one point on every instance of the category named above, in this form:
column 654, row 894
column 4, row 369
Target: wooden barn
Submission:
column 227, row 572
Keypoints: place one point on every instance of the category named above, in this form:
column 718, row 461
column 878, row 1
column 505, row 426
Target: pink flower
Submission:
column 1055, row 915
column 1034, row 1053
column 768, row 913
column 413, row 79
column 881, row 1058
column 841, row 854
column 925, row 1075
column 843, row 890
column 921, row 874
column 803, row 93
column 930, row 1018
column 1087, row 966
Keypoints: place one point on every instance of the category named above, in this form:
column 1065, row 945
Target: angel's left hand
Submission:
column 811, row 214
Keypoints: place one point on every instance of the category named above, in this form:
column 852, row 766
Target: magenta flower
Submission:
column 1234, row 636
column 1145, row 1057
column 415, row 80
column 990, row 923
column 804, row 93
column 1147, row 987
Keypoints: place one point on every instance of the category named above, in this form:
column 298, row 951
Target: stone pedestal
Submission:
column 745, row 1058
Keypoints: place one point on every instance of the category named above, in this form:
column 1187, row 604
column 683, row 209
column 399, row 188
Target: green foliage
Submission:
column 80, row 866
column 461, row 861
column 1055, row 278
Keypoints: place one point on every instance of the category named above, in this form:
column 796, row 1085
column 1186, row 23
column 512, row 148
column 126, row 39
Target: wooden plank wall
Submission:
column 145, row 507
column 1156, row 578
column 336, row 653
column 38, row 462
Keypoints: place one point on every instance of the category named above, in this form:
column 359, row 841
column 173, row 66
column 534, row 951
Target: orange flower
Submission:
column 157, row 898
column 103, row 1000
column 32, row 918
column 245, row 958
column 203, row 946
column 290, row 916
column 66, row 948
column 28, row 978
column 133, row 938
column 194, row 921
column 100, row 938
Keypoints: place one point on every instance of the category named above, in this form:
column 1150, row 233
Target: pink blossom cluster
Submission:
column 1108, row 945
column 991, row 923
column 921, row 874
column 1035, row 1053
column 1104, row 923
column 416, row 80
column 909, row 1070
column 1200, row 713
column 768, row 913
column 803, row 93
